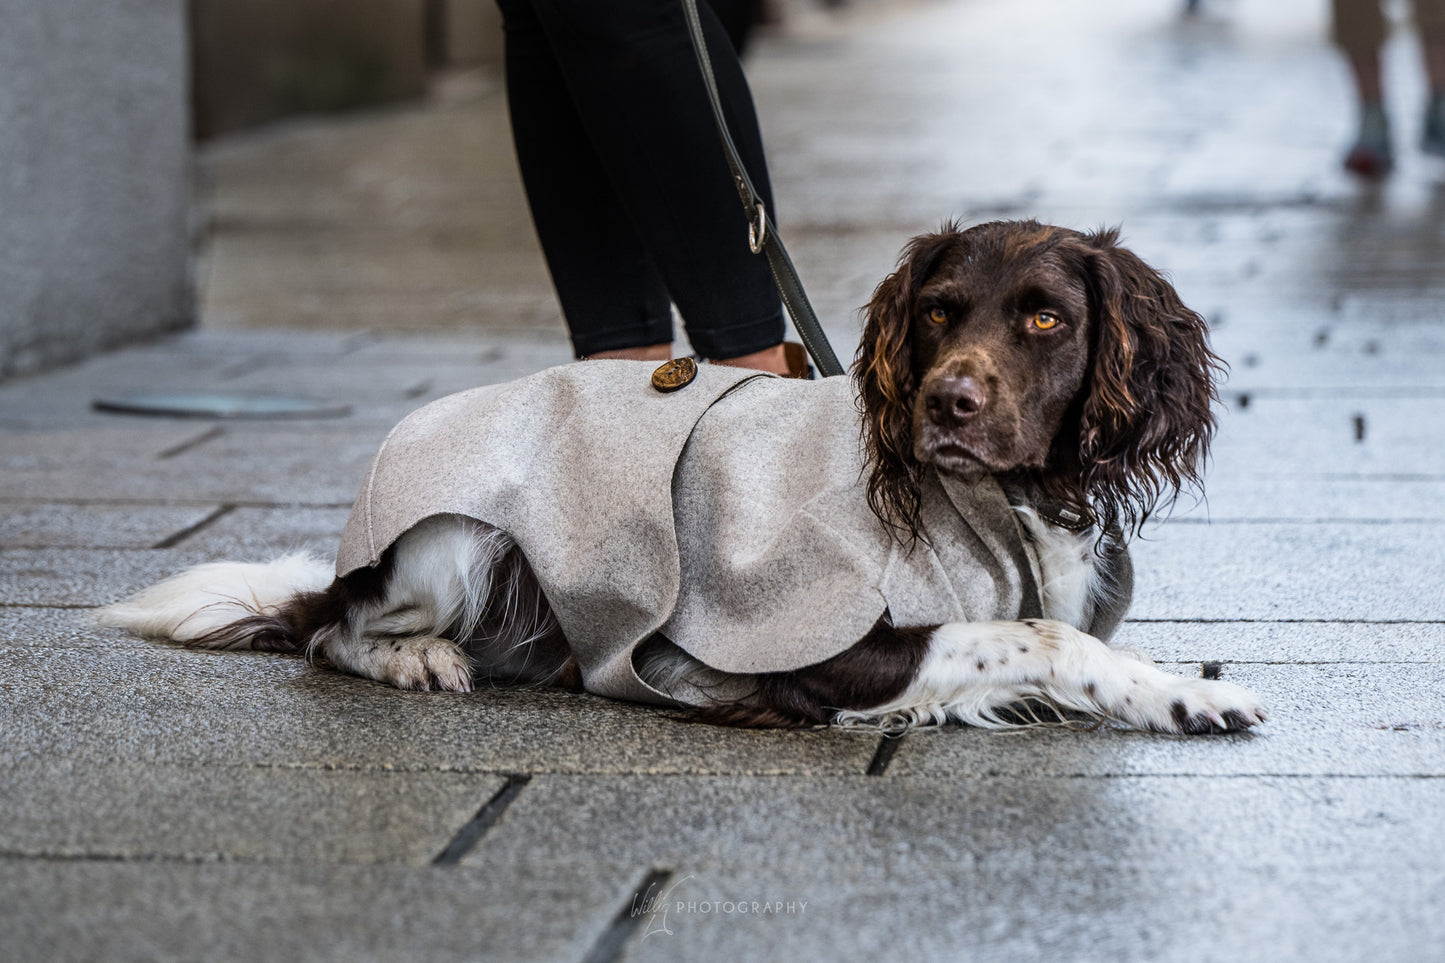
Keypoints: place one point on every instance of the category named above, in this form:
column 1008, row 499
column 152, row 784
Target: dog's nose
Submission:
column 955, row 399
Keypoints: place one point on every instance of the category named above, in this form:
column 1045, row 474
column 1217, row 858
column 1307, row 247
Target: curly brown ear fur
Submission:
column 883, row 370
column 1146, row 420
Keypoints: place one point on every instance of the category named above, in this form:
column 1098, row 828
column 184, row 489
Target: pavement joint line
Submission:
column 470, row 834
column 175, row 538
column 887, row 749
column 612, row 940
column 213, row 432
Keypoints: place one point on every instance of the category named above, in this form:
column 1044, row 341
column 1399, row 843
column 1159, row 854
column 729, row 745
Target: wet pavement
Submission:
column 164, row 804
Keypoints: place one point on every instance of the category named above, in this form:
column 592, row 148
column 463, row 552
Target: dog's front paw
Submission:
column 1197, row 707
column 410, row 662
column 426, row 662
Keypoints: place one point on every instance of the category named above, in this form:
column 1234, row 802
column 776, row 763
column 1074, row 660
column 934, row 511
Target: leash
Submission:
column 763, row 239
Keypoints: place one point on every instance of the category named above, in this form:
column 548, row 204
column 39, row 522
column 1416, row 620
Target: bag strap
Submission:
column 762, row 238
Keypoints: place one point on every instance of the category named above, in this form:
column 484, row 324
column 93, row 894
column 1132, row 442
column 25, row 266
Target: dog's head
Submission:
column 1015, row 347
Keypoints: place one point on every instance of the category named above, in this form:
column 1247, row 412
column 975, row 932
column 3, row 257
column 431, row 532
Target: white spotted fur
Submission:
column 975, row 669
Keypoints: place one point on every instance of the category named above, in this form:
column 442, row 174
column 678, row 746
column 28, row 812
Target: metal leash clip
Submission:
column 758, row 229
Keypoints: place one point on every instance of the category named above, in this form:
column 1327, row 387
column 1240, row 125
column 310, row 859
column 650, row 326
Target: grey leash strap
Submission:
column 762, row 238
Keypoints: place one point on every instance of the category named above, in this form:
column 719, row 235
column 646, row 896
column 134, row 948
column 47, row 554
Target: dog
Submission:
column 1028, row 394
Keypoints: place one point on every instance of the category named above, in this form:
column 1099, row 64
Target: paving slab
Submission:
column 356, row 284
column 1274, row 351
column 540, row 349
column 39, row 526
column 108, row 449
column 1358, row 436
column 1327, row 571
column 1141, row 868
column 1325, row 720
column 1253, row 911
column 469, row 258
column 379, row 392
column 1286, row 899
column 258, row 534
column 276, row 464
column 158, row 912
column 1227, row 127
column 71, row 810
column 1304, row 642
column 175, row 706
column 1244, row 495
column 189, row 361
column 85, row 576
column 32, row 628
column 180, row 707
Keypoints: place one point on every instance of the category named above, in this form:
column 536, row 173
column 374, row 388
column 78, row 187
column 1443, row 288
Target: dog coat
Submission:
column 729, row 515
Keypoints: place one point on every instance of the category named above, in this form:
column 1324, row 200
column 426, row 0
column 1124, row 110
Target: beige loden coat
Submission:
column 729, row 515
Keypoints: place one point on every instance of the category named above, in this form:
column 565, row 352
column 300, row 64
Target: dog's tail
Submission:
column 227, row 605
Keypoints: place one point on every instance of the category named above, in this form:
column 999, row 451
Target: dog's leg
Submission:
column 405, row 661
column 439, row 581
column 971, row 671
column 460, row 602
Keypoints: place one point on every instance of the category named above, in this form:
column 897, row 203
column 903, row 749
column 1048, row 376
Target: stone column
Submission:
column 95, row 176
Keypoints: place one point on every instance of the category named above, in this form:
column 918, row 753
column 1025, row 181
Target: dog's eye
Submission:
column 1043, row 321
column 937, row 315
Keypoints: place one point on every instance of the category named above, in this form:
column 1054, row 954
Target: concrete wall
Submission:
column 94, row 176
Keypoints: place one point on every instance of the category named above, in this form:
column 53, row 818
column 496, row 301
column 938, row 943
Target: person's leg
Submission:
column 1430, row 15
column 611, row 294
column 738, row 18
column 631, row 72
column 1359, row 30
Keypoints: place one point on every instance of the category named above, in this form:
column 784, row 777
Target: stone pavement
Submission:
column 170, row 805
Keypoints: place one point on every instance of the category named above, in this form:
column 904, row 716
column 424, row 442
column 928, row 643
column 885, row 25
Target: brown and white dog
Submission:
column 1051, row 358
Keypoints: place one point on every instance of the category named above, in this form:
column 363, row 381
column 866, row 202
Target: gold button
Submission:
column 677, row 373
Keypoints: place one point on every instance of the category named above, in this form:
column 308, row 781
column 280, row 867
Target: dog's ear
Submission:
column 887, row 385
column 1147, row 419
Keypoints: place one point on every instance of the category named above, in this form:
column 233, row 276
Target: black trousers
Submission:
column 628, row 187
